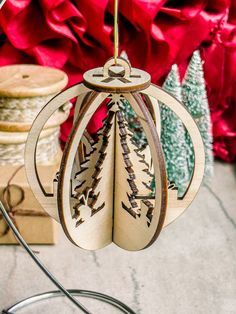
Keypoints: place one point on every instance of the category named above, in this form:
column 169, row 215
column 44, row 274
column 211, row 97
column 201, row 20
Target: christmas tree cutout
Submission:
column 115, row 175
column 173, row 136
column 131, row 158
column 195, row 99
column 90, row 183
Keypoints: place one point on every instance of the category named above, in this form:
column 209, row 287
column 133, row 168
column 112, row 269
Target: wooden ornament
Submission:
column 102, row 189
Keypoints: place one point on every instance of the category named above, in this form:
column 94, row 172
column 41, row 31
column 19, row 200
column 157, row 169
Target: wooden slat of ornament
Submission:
column 85, row 147
column 154, row 109
column 48, row 201
column 81, row 99
column 177, row 206
column 27, row 80
column 96, row 231
column 133, row 233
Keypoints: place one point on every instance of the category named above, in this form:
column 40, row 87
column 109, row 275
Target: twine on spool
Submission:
column 24, row 110
column 24, row 90
column 47, row 149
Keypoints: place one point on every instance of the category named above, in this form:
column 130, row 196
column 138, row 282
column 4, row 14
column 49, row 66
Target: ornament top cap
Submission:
column 117, row 77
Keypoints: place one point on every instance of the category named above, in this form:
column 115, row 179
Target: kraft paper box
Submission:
column 34, row 224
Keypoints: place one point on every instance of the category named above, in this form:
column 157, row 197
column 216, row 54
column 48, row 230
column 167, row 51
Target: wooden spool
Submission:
column 98, row 200
column 9, row 138
column 29, row 81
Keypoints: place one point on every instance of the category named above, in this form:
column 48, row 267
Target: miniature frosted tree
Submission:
column 195, row 99
column 153, row 187
column 130, row 116
column 173, row 136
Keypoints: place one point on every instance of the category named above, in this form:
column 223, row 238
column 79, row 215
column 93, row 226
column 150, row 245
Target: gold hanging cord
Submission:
column 116, row 31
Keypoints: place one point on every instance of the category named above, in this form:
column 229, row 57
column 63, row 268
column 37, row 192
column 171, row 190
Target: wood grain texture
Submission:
column 48, row 201
column 28, row 80
column 134, row 234
column 154, row 109
column 96, row 232
column 80, row 101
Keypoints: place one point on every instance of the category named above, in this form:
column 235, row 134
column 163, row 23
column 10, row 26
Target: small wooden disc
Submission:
column 26, row 80
column 117, row 77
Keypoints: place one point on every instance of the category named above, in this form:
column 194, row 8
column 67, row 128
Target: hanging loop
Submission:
column 117, row 68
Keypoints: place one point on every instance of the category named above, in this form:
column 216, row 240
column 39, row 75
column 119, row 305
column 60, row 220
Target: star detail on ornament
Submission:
column 116, row 98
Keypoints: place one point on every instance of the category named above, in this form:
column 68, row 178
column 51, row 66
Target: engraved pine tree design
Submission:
column 131, row 177
column 137, row 181
column 89, row 181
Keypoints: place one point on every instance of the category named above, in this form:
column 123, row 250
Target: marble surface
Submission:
column 191, row 269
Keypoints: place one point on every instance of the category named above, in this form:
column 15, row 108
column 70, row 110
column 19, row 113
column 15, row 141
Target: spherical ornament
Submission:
column 103, row 189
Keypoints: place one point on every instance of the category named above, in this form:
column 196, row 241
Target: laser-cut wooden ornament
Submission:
column 102, row 189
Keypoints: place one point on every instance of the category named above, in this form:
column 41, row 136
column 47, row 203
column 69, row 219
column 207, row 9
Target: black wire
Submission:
column 39, row 263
